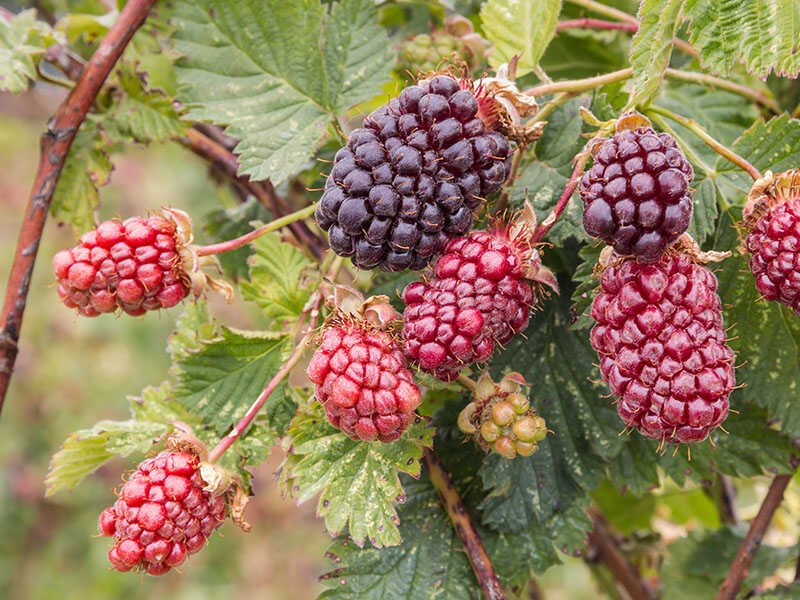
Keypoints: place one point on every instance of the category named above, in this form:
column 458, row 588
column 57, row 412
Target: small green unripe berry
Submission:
column 489, row 431
column 525, row 429
column 525, row 449
column 540, row 435
column 505, row 447
column 519, row 403
column 503, row 413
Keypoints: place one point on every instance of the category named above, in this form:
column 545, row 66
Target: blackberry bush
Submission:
column 412, row 177
column 491, row 149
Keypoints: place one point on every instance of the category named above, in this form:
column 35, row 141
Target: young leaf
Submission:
column 277, row 72
column 23, row 40
column 278, row 281
column 697, row 564
column 652, row 47
column 86, row 169
column 144, row 114
column 222, row 379
column 762, row 34
column 358, row 481
column 519, row 27
column 87, row 449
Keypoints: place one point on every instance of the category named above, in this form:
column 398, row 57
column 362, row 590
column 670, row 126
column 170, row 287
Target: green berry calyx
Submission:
column 501, row 418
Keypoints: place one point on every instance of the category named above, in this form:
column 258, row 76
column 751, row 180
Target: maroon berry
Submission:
column 636, row 195
column 362, row 381
column 409, row 180
column 132, row 265
column 774, row 246
column 662, row 346
column 153, row 522
column 478, row 296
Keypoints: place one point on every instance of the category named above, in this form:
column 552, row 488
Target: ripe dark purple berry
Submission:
column 636, row 195
column 410, row 179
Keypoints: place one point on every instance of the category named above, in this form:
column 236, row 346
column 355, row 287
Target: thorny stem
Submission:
column 466, row 382
column 222, row 157
column 716, row 146
column 749, row 546
column 589, row 83
column 484, row 571
column 615, row 561
column 55, row 145
column 250, row 236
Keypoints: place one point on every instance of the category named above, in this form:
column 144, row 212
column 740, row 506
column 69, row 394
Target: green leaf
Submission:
column 223, row 378
column 357, row 481
column 193, row 330
column 519, row 27
column 277, row 86
column 697, row 564
column 587, row 284
column 87, row 449
column 143, row 114
column 652, row 47
column 157, row 404
column 86, row 169
column 761, row 34
column 23, row 40
column 280, row 277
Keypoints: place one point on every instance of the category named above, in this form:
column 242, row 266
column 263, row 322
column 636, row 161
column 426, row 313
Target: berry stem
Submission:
column 249, row 237
column 466, row 382
column 598, row 24
column 749, row 546
column 55, row 145
column 760, row 97
column 484, row 571
column 607, row 550
column 580, row 85
column 716, row 146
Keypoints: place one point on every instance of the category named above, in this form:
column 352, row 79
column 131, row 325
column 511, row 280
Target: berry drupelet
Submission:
column 411, row 178
column 636, row 195
column 662, row 346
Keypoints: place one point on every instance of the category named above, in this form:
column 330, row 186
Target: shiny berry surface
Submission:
column 636, row 195
column 411, row 178
column 662, row 347
column 476, row 298
column 774, row 246
column 363, row 383
column 131, row 265
column 162, row 515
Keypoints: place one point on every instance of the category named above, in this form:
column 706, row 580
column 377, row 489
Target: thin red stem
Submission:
column 55, row 145
column 558, row 209
column 478, row 558
column 729, row 589
column 597, row 24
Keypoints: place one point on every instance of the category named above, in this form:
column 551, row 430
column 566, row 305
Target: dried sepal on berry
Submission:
column 771, row 235
column 500, row 417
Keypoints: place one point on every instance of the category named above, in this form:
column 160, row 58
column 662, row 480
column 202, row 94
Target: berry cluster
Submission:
column 477, row 297
column 773, row 240
column 662, row 346
column 162, row 515
column 636, row 195
column 501, row 418
column 410, row 179
column 133, row 265
column 362, row 381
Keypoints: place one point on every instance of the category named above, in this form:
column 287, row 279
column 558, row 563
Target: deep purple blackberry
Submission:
column 409, row 180
column 636, row 196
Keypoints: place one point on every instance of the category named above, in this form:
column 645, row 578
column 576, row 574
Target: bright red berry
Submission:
column 133, row 265
column 774, row 241
column 410, row 179
column 662, row 346
column 477, row 297
column 362, row 381
column 636, row 195
column 162, row 514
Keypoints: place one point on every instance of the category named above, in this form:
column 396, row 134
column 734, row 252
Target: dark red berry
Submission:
column 662, row 346
column 132, row 265
column 161, row 514
column 362, row 381
column 477, row 296
column 409, row 180
column 636, row 195
column 774, row 246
